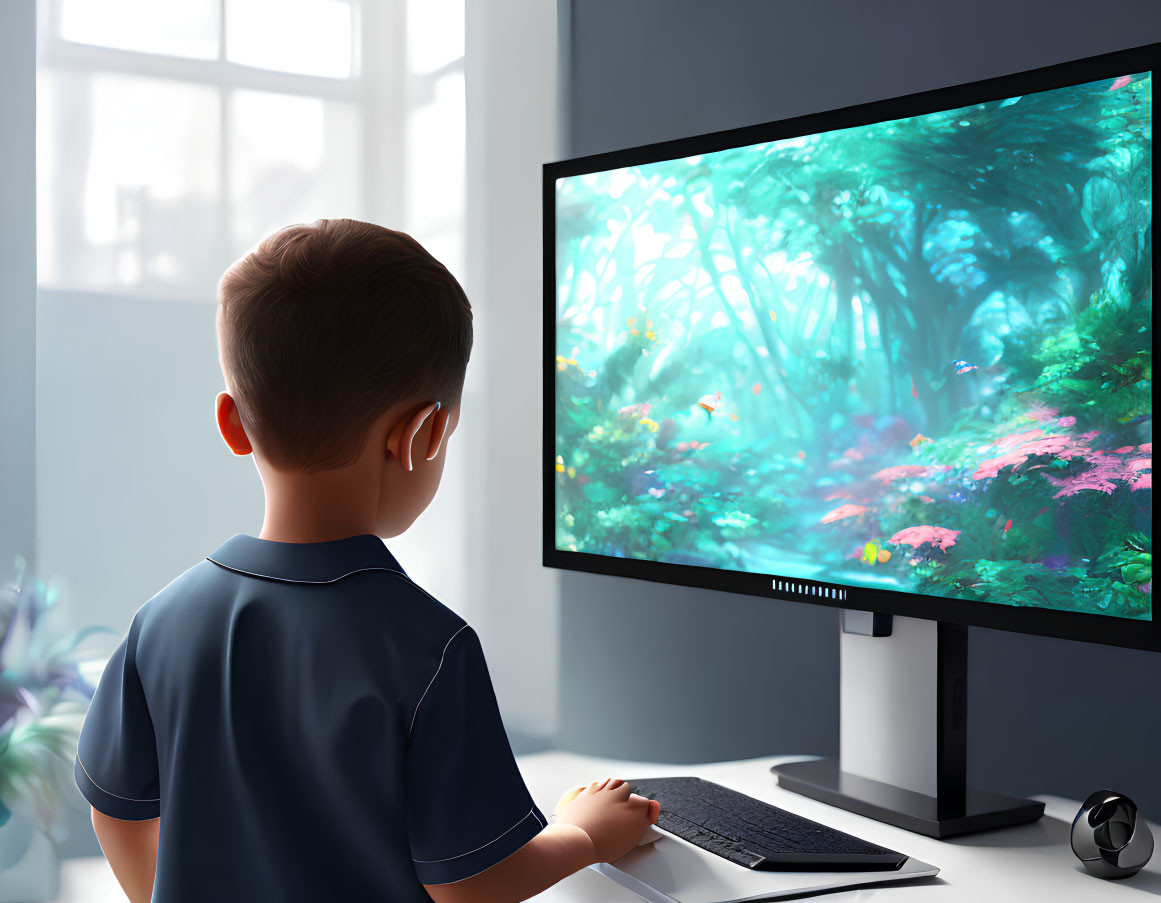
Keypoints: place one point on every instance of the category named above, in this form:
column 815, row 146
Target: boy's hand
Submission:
column 612, row 816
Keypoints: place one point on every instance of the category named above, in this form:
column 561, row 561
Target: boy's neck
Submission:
column 318, row 507
column 315, row 536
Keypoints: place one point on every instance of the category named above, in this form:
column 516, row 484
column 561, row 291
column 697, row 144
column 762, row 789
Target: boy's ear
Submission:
column 230, row 425
column 404, row 432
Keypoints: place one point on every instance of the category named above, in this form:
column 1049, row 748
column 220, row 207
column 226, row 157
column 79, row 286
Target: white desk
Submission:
column 1029, row 863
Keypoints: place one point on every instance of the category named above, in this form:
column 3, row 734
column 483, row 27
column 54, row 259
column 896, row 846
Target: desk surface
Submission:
column 1027, row 863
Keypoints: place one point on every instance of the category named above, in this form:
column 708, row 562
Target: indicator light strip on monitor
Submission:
column 809, row 589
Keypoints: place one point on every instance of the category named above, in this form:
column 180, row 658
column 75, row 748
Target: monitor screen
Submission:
column 910, row 355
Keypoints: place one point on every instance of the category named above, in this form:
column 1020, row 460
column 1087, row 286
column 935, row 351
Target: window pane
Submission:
column 435, row 159
column 310, row 37
column 129, row 182
column 292, row 160
column 188, row 28
column 435, row 33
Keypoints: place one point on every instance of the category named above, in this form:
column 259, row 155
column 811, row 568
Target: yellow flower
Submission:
column 560, row 464
column 572, row 471
column 652, row 424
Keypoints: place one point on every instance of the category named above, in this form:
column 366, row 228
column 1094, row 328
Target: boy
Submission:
column 293, row 718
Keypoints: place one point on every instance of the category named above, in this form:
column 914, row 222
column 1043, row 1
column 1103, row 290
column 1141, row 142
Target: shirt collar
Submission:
column 304, row 562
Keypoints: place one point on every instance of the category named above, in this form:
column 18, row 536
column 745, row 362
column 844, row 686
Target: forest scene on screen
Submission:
column 914, row 355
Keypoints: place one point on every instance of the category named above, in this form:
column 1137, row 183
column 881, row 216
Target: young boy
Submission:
column 292, row 718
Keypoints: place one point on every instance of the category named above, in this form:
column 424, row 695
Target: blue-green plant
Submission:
column 43, row 698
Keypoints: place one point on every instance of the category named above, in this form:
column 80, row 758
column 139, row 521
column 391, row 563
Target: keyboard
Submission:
column 757, row 835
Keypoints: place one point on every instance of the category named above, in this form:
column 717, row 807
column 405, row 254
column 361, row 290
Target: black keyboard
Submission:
column 755, row 834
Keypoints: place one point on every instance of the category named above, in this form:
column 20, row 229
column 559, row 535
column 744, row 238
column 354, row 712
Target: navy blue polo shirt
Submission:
column 309, row 724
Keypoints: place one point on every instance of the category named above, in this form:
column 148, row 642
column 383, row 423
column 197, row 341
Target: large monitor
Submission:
column 894, row 358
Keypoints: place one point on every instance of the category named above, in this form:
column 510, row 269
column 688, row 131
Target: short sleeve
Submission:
column 116, row 768
column 467, row 805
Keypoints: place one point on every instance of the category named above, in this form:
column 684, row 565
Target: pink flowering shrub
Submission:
column 842, row 512
column 900, row 472
column 939, row 537
column 1105, row 470
column 635, row 410
column 1103, row 475
column 1030, row 444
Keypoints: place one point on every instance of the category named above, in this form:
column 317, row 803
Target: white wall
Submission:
column 511, row 72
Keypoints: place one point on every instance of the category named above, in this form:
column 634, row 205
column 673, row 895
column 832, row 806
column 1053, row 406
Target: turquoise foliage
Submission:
column 43, row 698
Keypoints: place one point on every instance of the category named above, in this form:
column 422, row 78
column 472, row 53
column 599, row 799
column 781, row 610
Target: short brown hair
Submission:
column 326, row 326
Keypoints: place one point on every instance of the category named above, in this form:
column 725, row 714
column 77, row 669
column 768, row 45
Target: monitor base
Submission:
column 981, row 810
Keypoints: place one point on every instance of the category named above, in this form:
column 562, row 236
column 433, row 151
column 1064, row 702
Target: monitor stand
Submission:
column 903, row 733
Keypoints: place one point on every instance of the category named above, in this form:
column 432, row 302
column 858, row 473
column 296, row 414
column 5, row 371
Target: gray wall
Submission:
column 685, row 675
column 17, row 283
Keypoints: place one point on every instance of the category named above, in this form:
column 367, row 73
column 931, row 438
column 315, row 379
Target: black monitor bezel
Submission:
column 1044, row 622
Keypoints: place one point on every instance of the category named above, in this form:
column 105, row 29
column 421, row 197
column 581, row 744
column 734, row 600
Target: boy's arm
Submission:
column 555, row 853
column 131, row 848
column 598, row 823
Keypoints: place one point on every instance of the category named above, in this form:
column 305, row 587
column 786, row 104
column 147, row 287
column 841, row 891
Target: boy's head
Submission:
column 328, row 331
column 324, row 327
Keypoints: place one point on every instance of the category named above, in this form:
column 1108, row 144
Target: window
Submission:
column 173, row 136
